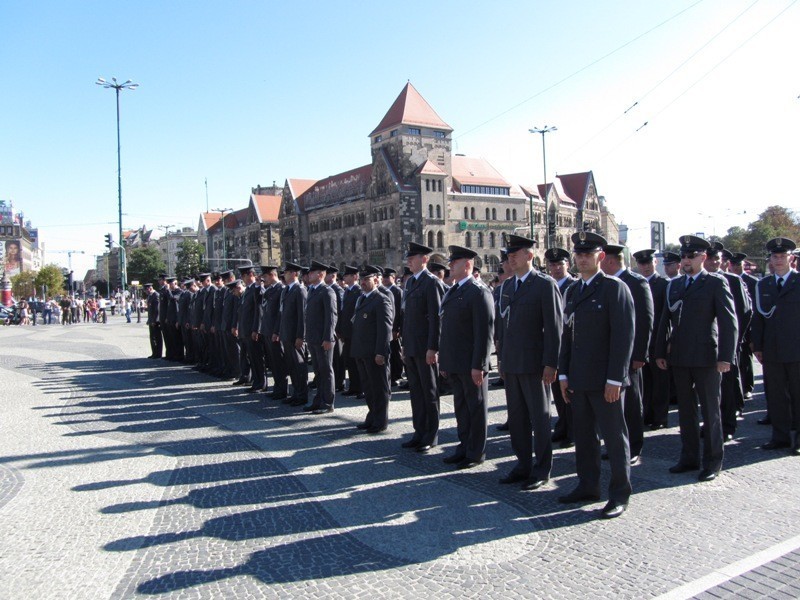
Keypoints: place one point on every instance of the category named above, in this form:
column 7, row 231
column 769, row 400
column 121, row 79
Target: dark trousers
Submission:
column 591, row 412
column 166, row 335
column 352, row 367
column 199, row 345
column 563, row 427
column 423, row 382
column 155, row 339
column 693, row 384
column 470, row 403
column 529, row 415
column 655, row 397
column 188, row 344
column 277, row 363
column 255, row 354
column 232, row 366
column 338, row 365
column 746, row 369
column 782, row 381
column 244, row 361
column 377, row 391
column 731, row 399
column 322, row 362
column 296, row 369
column 177, row 341
column 633, row 412
column 395, row 360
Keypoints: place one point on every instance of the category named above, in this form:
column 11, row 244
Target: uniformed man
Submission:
column 185, row 322
column 369, row 345
column 467, row 326
column 655, row 396
column 292, row 332
column 735, row 266
column 775, row 331
column 270, row 330
column 439, row 270
column 672, row 264
column 420, row 340
column 173, row 319
column 557, row 267
column 229, row 347
column 396, row 358
column 731, row 395
column 208, row 322
column 344, row 328
column 321, row 318
column 249, row 327
column 163, row 303
column 594, row 366
column 201, row 350
column 503, row 273
column 697, row 338
column 614, row 264
column 153, row 323
column 217, row 340
column 338, row 361
column 529, row 313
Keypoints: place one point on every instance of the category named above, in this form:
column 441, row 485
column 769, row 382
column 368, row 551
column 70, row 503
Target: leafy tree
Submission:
column 775, row 221
column 145, row 264
column 51, row 278
column 22, row 284
column 189, row 260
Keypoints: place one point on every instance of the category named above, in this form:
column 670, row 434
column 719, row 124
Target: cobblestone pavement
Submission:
column 122, row 476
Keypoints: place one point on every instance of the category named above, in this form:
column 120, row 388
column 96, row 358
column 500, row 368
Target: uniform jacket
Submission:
column 531, row 321
column 219, row 307
column 152, row 307
column 741, row 303
column 776, row 335
column 371, row 327
column 184, row 308
column 250, row 311
column 344, row 326
column 597, row 342
column 163, row 302
column 698, row 326
column 320, row 315
column 397, row 298
column 198, row 303
column 227, row 321
column 658, row 289
column 422, row 300
column 293, row 313
column 643, row 309
column 337, row 289
column 270, row 310
column 467, row 326
column 172, row 307
column 208, row 306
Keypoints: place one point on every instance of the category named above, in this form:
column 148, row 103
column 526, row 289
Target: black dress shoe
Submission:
column 566, row 444
column 727, row 437
column 682, row 468
column 453, row 459
column 534, row 484
column 309, row 408
column 764, row 421
column 363, row 426
column 395, row 382
column 748, row 395
column 374, row 430
column 796, row 449
column 635, row 460
column 360, row 396
column 503, row 426
column 297, row 402
column 469, row 463
column 604, row 456
column 253, row 390
column 322, row 410
column 424, row 448
column 351, row 393
column 773, row 445
column 657, row 426
column 557, row 437
column 410, row 444
column 612, row 510
column 513, row 478
column 275, row 396
column 498, row 383
column 576, row 496
column 707, row 475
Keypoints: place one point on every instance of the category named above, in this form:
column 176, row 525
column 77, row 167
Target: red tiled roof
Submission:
column 210, row 219
column 410, row 108
column 563, row 198
column 429, row 168
column 298, row 187
column 476, row 171
column 575, row 185
column 267, row 207
column 337, row 188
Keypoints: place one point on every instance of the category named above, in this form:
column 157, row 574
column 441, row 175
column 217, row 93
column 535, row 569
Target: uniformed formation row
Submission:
column 606, row 346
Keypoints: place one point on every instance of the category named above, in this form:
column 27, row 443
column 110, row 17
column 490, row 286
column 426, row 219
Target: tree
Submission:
column 51, row 279
column 22, row 284
column 189, row 260
column 775, row 221
column 145, row 264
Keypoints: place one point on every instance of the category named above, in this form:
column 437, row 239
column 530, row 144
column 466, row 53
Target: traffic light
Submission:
column 108, row 241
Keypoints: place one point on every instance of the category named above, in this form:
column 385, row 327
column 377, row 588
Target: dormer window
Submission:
column 393, row 133
column 414, row 131
column 438, row 134
column 377, row 138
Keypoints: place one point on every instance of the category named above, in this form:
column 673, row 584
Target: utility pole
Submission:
column 549, row 227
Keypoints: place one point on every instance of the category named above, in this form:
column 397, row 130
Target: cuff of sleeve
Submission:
column 562, row 377
column 612, row 382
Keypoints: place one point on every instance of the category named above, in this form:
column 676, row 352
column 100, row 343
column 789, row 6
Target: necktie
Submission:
column 780, row 284
column 359, row 301
column 516, row 285
column 689, row 282
column 452, row 291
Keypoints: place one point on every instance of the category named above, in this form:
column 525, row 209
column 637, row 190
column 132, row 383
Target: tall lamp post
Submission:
column 166, row 229
column 543, row 131
column 128, row 85
column 224, row 246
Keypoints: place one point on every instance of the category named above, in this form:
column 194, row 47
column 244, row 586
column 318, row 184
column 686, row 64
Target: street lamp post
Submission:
column 128, row 85
column 543, row 131
column 224, row 246
column 166, row 229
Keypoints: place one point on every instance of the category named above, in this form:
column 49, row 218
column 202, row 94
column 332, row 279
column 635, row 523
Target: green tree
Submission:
column 189, row 260
column 775, row 221
column 52, row 279
column 22, row 285
column 144, row 264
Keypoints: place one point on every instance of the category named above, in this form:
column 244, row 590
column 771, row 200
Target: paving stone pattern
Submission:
column 123, row 477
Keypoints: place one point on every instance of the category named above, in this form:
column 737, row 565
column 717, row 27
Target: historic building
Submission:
column 416, row 189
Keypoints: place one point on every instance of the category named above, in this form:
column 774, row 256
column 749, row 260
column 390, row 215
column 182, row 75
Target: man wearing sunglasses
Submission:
column 697, row 337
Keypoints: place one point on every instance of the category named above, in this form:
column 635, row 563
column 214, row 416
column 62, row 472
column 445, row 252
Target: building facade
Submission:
column 169, row 245
column 416, row 189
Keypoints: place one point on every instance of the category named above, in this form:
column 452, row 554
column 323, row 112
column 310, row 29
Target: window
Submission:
column 466, row 212
column 393, row 133
column 439, row 185
column 341, row 245
column 514, row 214
column 430, row 211
column 480, row 239
column 472, row 213
column 414, row 131
column 468, row 240
column 331, row 246
column 438, row 134
column 491, row 239
column 494, row 214
column 364, row 243
column 508, row 214
column 391, row 212
column 438, row 212
column 487, row 214
column 439, row 240
column 353, row 244
column 380, row 241
column 312, row 248
column 388, row 240
column 430, row 239
column 427, row 185
column 378, row 138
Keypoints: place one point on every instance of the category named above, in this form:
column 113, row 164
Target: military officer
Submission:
column 503, row 273
column 672, row 264
column 338, row 361
column 344, row 328
column 201, row 351
column 217, row 341
column 396, row 359
column 439, row 270
column 735, row 266
column 594, row 368
column 614, row 264
column 173, row 319
column 775, row 331
column 420, row 341
column 184, row 315
column 249, row 326
column 270, row 330
column 208, row 323
column 153, row 323
column 321, row 318
column 697, row 338
column 655, row 396
column 529, row 311
column 467, row 326
column 163, row 304
column 557, row 267
column 292, row 332
column 229, row 347
column 369, row 346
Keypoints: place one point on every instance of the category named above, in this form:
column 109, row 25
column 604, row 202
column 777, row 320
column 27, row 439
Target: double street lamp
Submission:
column 543, row 130
column 224, row 246
column 128, row 85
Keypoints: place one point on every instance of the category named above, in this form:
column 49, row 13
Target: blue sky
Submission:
column 244, row 93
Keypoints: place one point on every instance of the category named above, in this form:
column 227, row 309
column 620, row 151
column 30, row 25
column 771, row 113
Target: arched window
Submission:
column 427, row 185
column 468, row 240
column 472, row 213
column 491, row 239
column 494, row 214
column 514, row 214
column 439, row 185
column 312, row 248
column 353, row 244
column 430, row 239
column 438, row 211
column 380, row 241
column 388, row 240
column 480, row 239
column 430, row 210
column 466, row 212
column 364, row 243
column 439, row 240
column 487, row 214
column 391, row 212
column 508, row 214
